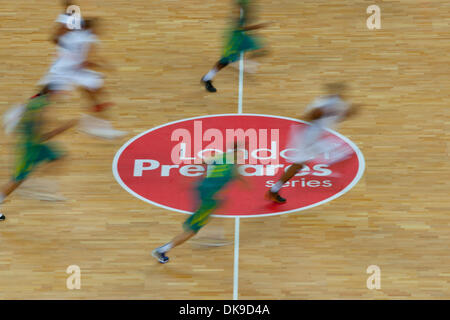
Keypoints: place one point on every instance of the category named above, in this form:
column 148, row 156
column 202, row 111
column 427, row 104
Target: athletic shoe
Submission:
column 161, row 257
column 275, row 197
column 104, row 133
column 99, row 128
column 209, row 86
column 2, row 217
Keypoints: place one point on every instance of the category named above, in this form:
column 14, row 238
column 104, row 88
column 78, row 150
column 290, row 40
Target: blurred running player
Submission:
column 221, row 170
column 237, row 41
column 324, row 113
column 32, row 148
column 63, row 25
column 70, row 70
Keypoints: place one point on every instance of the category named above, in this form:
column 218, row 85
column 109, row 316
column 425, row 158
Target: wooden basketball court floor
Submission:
column 396, row 217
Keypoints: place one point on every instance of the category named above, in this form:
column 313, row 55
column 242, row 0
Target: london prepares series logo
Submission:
column 162, row 165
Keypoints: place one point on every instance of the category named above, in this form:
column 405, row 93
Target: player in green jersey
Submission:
column 221, row 171
column 237, row 41
column 31, row 147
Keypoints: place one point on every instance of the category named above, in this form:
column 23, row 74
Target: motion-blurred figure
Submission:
column 221, row 170
column 32, row 148
column 323, row 113
column 76, row 54
column 238, row 41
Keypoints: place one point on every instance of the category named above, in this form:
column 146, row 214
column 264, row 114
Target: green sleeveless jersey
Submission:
column 29, row 124
column 222, row 167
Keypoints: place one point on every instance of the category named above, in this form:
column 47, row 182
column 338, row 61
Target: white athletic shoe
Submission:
column 99, row 128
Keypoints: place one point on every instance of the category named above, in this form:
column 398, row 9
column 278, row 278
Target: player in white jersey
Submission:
column 69, row 71
column 12, row 117
column 323, row 113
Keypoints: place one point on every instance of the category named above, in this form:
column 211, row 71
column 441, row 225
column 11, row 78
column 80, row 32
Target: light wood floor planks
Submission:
column 396, row 217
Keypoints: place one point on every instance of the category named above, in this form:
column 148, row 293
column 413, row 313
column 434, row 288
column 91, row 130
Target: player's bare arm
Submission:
column 66, row 126
column 312, row 115
column 256, row 26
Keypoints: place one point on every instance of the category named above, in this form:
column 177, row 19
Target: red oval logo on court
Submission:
column 162, row 165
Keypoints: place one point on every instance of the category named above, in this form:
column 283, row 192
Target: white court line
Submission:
column 241, row 82
column 236, row 221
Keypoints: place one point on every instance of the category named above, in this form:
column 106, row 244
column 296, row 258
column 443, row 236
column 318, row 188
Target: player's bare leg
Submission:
column 94, row 97
column 160, row 253
column 6, row 190
column 273, row 194
column 45, row 190
column 262, row 52
column 12, row 185
column 191, row 227
column 181, row 238
column 66, row 126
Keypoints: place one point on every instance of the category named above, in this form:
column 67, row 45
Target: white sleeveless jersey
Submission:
column 73, row 49
column 333, row 109
column 312, row 143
